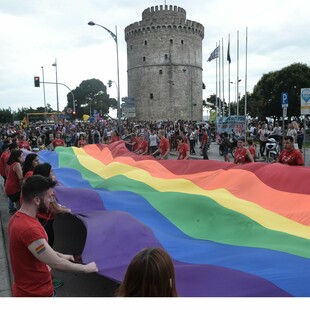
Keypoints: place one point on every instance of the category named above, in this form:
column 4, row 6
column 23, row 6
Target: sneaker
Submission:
column 57, row 283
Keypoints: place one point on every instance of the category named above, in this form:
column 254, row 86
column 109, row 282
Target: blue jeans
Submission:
column 11, row 205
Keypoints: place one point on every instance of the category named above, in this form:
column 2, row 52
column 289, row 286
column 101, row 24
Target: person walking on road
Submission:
column 31, row 256
column 242, row 154
column 183, row 149
column 290, row 156
column 163, row 147
column 204, row 143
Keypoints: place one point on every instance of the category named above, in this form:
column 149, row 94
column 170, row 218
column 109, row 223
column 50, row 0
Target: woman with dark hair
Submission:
column 14, row 177
column 150, row 274
column 31, row 160
column 81, row 142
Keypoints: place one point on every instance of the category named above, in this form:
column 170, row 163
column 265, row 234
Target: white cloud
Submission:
column 35, row 32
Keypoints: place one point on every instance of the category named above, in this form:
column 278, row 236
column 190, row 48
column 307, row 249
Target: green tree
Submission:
column 6, row 115
column 91, row 95
column 266, row 97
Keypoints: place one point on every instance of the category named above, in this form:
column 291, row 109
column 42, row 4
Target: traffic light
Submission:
column 36, row 81
column 109, row 83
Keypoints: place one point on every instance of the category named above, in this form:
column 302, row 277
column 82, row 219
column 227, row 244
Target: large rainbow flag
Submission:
column 230, row 230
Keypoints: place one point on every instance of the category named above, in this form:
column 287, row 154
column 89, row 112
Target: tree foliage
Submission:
column 265, row 101
column 91, row 95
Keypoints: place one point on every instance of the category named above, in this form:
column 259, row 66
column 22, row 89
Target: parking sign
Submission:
column 284, row 100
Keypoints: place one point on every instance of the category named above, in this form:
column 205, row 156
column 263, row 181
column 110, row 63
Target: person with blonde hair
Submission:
column 149, row 274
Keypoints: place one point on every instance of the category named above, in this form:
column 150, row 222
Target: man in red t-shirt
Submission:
column 142, row 146
column 3, row 161
column 163, row 147
column 23, row 143
column 182, row 148
column 290, row 156
column 58, row 141
column 134, row 141
column 242, row 154
column 31, row 256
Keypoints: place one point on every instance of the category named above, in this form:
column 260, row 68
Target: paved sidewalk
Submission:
column 5, row 268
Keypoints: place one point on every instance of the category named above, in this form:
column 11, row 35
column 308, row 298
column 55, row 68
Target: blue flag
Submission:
column 214, row 54
column 228, row 53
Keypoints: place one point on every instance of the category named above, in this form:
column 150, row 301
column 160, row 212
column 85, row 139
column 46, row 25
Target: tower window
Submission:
column 143, row 58
column 171, row 41
column 151, row 96
column 182, row 42
column 160, row 71
column 145, row 42
column 131, row 47
column 166, row 56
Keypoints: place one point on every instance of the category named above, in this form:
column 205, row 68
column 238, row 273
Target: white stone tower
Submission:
column 164, row 62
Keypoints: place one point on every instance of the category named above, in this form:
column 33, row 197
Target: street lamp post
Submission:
column 55, row 65
column 114, row 36
column 43, row 89
column 236, row 94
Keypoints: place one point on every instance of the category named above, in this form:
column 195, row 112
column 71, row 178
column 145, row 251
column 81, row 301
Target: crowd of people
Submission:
column 29, row 187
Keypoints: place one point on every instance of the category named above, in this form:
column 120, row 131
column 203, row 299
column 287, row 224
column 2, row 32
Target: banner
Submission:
column 231, row 124
column 305, row 101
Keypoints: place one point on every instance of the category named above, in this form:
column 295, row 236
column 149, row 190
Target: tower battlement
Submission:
column 164, row 10
column 164, row 18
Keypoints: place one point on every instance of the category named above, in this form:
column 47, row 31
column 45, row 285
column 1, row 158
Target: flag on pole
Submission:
column 214, row 54
column 228, row 52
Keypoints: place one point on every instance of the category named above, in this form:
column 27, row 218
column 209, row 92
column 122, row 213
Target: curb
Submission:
column 5, row 279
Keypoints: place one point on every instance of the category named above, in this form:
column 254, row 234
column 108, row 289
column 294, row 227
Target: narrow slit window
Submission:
column 151, row 96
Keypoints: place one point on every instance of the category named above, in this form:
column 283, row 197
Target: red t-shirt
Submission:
column 3, row 162
column 82, row 143
column 32, row 278
column 142, row 146
column 204, row 139
column 58, row 142
column 253, row 153
column 164, row 145
column 24, row 145
column 12, row 184
column 240, row 156
column 291, row 158
column 135, row 140
column 183, row 149
column 114, row 139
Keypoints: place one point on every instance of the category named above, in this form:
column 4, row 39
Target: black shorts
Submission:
column 15, row 197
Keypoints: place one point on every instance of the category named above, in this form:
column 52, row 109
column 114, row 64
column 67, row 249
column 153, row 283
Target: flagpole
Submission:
column 223, row 101
column 216, row 100
column 220, row 96
column 228, row 58
column 246, row 79
column 237, row 73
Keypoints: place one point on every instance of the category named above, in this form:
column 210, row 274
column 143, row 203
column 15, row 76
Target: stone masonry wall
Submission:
column 164, row 59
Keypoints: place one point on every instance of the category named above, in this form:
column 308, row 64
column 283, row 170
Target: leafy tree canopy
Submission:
column 91, row 95
column 265, row 101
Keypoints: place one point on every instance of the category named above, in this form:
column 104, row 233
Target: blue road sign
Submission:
column 284, row 99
